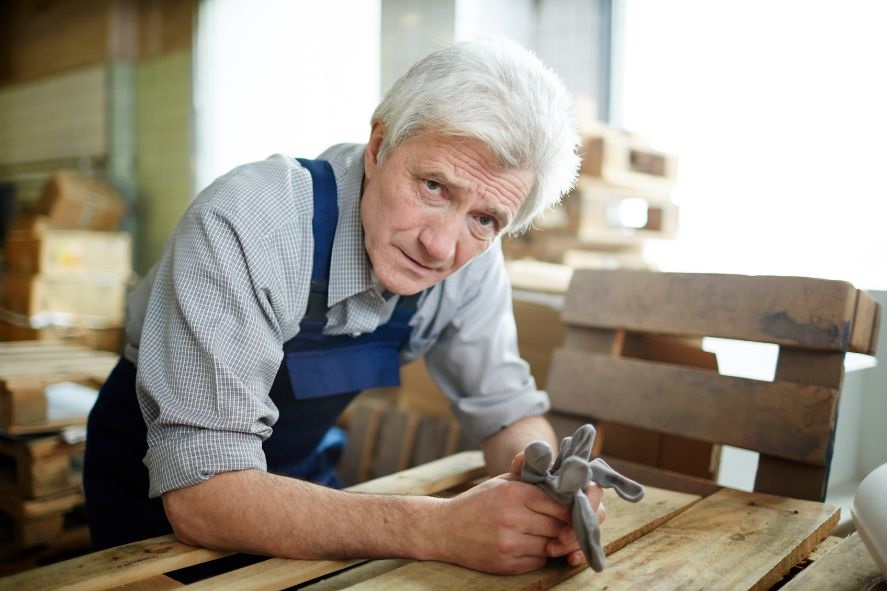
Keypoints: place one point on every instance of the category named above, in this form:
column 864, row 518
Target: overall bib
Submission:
column 318, row 377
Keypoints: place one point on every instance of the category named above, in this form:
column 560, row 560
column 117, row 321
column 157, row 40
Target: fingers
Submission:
column 601, row 513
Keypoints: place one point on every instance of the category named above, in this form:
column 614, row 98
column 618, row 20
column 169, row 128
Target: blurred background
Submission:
column 727, row 137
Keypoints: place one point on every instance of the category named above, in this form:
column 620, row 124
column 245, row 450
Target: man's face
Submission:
column 434, row 204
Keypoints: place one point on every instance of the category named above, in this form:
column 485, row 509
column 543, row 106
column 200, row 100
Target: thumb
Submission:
column 518, row 462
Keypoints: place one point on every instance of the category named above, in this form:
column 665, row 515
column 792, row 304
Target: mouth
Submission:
column 416, row 265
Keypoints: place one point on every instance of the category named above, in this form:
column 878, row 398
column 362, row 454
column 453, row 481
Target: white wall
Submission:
column 278, row 76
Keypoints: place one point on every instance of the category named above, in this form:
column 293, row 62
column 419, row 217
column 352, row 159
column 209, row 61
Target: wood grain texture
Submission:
column 866, row 322
column 846, row 567
column 272, row 575
column 813, row 313
column 429, row 478
column 113, row 567
column 730, row 540
column 782, row 419
column 626, row 522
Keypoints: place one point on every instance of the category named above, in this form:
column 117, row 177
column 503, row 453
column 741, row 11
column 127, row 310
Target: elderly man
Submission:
column 291, row 285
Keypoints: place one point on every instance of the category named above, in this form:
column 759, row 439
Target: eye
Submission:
column 486, row 221
column 489, row 225
column 432, row 185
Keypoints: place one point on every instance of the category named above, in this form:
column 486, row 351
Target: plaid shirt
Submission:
column 206, row 326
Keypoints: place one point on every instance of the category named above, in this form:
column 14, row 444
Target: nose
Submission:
column 439, row 239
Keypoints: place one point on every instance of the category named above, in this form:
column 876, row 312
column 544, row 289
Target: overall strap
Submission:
column 326, row 216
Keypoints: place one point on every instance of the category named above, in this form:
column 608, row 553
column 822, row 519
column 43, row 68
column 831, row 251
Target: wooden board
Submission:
column 625, row 523
column 846, row 567
column 770, row 534
column 777, row 418
column 812, row 313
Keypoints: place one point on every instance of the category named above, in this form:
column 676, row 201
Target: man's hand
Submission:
column 503, row 526
column 565, row 544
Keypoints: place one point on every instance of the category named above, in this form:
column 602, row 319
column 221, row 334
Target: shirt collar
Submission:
column 350, row 274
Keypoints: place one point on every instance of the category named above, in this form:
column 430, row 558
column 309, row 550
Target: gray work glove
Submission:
column 566, row 478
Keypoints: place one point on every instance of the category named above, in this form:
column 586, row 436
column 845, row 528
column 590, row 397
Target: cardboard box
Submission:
column 91, row 300
column 47, row 251
column 74, row 201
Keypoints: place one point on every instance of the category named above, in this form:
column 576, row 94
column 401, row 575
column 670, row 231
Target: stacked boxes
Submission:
column 622, row 199
column 67, row 270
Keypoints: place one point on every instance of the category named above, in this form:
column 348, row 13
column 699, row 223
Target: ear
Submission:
column 371, row 153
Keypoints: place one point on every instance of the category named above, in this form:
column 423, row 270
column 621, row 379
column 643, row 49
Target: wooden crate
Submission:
column 384, row 438
column 621, row 158
column 28, row 367
column 37, row 522
column 38, row 466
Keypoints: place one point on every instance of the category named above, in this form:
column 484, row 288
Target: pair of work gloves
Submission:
column 565, row 480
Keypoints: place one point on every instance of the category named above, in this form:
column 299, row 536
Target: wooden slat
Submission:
column 429, row 478
column 397, row 432
column 847, row 567
column 813, row 313
column 778, row 476
column 272, row 574
column 362, row 432
column 626, row 522
column 114, row 567
column 156, row 583
column 781, row 419
column 431, row 440
column 866, row 324
column 693, row 550
column 356, row 575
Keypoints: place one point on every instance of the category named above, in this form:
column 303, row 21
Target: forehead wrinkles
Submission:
column 479, row 173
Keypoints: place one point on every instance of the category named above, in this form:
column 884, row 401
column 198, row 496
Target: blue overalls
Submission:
column 318, row 377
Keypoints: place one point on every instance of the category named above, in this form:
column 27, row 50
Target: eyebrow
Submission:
column 502, row 215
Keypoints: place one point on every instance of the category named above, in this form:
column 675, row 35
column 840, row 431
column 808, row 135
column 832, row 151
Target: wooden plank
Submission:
column 847, row 567
column 429, row 478
column 777, row 476
column 156, row 583
column 363, row 429
column 813, row 313
column 356, row 575
column 694, row 550
column 866, row 324
column 272, row 574
column 782, row 419
column 397, row 433
column 114, row 567
column 626, row 522
column 431, row 440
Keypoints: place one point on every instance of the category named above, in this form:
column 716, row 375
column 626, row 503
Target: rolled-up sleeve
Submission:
column 210, row 349
column 476, row 362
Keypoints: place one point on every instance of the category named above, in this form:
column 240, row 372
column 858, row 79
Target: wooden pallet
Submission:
column 383, row 439
column 38, row 522
column 621, row 158
column 669, row 540
column 41, row 465
column 28, row 367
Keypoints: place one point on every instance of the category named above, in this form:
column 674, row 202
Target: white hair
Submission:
column 500, row 93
